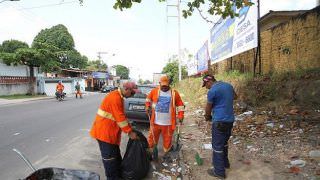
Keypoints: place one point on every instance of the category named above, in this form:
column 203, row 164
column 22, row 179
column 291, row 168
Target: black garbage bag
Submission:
column 62, row 174
column 136, row 161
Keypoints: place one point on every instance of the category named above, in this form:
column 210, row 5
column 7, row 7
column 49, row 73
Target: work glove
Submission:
column 208, row 117
column 133, row 135
column 148, row 111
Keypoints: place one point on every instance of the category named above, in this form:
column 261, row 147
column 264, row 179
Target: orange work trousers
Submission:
column 78, row 92
column 165, row 131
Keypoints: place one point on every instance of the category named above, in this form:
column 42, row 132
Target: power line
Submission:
column 48, row 5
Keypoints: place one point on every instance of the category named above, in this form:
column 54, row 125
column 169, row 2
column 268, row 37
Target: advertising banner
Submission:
column 231, row 36
column 202, row 57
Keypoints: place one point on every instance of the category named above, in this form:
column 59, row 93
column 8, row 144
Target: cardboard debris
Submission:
column 207, row 146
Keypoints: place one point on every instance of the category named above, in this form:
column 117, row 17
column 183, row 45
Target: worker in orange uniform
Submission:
column 78, row 90
column 59, row 89
column 110, row 121
column 166, row 107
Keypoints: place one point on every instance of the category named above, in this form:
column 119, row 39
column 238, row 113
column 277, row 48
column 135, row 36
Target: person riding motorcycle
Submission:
column 59, row 89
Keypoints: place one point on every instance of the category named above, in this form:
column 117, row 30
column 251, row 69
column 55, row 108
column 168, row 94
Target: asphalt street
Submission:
column 50, row 134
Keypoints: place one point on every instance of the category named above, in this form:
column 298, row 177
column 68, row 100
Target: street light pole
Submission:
column 179, row 33
column 179, row 40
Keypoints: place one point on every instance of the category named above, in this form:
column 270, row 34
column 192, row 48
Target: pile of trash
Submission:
column 168, row 167
column 292, row 138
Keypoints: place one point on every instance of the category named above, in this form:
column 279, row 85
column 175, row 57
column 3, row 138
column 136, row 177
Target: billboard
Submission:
column 192, row 66
column 202, row 57
column 232, row 36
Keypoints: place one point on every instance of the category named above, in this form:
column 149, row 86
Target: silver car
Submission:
column 135, row 106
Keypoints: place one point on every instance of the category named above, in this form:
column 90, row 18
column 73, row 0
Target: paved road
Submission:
column 49, row 133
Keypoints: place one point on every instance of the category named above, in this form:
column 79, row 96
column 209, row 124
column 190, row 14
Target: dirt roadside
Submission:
column 252, row 157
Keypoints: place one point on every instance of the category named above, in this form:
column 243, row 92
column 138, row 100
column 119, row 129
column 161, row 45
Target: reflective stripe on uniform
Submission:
column 217, row 151
column 105, row 114
column 122, row 124
column 180, row 108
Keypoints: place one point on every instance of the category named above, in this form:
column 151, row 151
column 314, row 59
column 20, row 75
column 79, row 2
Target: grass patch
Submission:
column 20, row 96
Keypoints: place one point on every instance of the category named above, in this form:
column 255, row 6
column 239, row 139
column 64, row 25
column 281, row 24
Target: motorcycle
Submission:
column 56, row 173
column 60, row 96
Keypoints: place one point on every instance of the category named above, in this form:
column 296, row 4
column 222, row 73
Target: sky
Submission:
column 142, row 38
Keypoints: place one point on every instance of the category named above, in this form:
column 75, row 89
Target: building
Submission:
column 274, row 18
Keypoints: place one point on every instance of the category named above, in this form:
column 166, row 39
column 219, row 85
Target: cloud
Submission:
column 19, row 25
column 285, row 5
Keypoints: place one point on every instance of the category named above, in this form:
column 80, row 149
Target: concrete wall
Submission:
column 20, row 70
column 289, row 46
column 10, row 89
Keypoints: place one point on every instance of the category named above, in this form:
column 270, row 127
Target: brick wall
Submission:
column 287, row 47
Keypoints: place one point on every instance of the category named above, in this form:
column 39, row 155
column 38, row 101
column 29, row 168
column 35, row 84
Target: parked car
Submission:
column 107, row 89
column 135, row 106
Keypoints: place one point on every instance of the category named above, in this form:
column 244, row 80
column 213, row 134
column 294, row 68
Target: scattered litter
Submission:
column 281, row 126
column 153, row 166
column 299, row 163
column 165, row 164
column 236, row 142
column 16, row 134
column 300, row 131
column 293, row 111
column 207, row 146
column 161, row 176
column 248, row 113
column 179, row 170
column 270, row 125
column 249, row 147
column 199, row 112
column 314, row 154
column 295, row 170
column 173, row 170
column 247, row 162
column 191, row 125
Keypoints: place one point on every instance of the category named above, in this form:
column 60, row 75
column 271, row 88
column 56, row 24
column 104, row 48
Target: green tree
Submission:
column 122, row 71
column 57, row 36
column 222, row 8
column 140, row 81
column 96, row 65
column 10, row 46
column 59, row 41
column 172, row 70
column 17, row 52
column 147, row 82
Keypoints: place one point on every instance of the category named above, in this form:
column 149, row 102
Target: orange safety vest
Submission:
column 177, row 106
column 60, row 87
column 110, row 119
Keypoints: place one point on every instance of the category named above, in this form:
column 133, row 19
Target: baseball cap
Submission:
column 164, row 81
column 131, row 85
column 207, row 78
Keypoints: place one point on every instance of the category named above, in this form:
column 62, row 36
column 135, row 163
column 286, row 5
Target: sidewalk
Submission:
column 17, row 101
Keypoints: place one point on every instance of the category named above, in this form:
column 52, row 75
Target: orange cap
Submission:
column 164, row 81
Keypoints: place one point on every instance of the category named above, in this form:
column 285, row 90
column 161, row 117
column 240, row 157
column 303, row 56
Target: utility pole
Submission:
column 99, row 54
column 179, row 32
